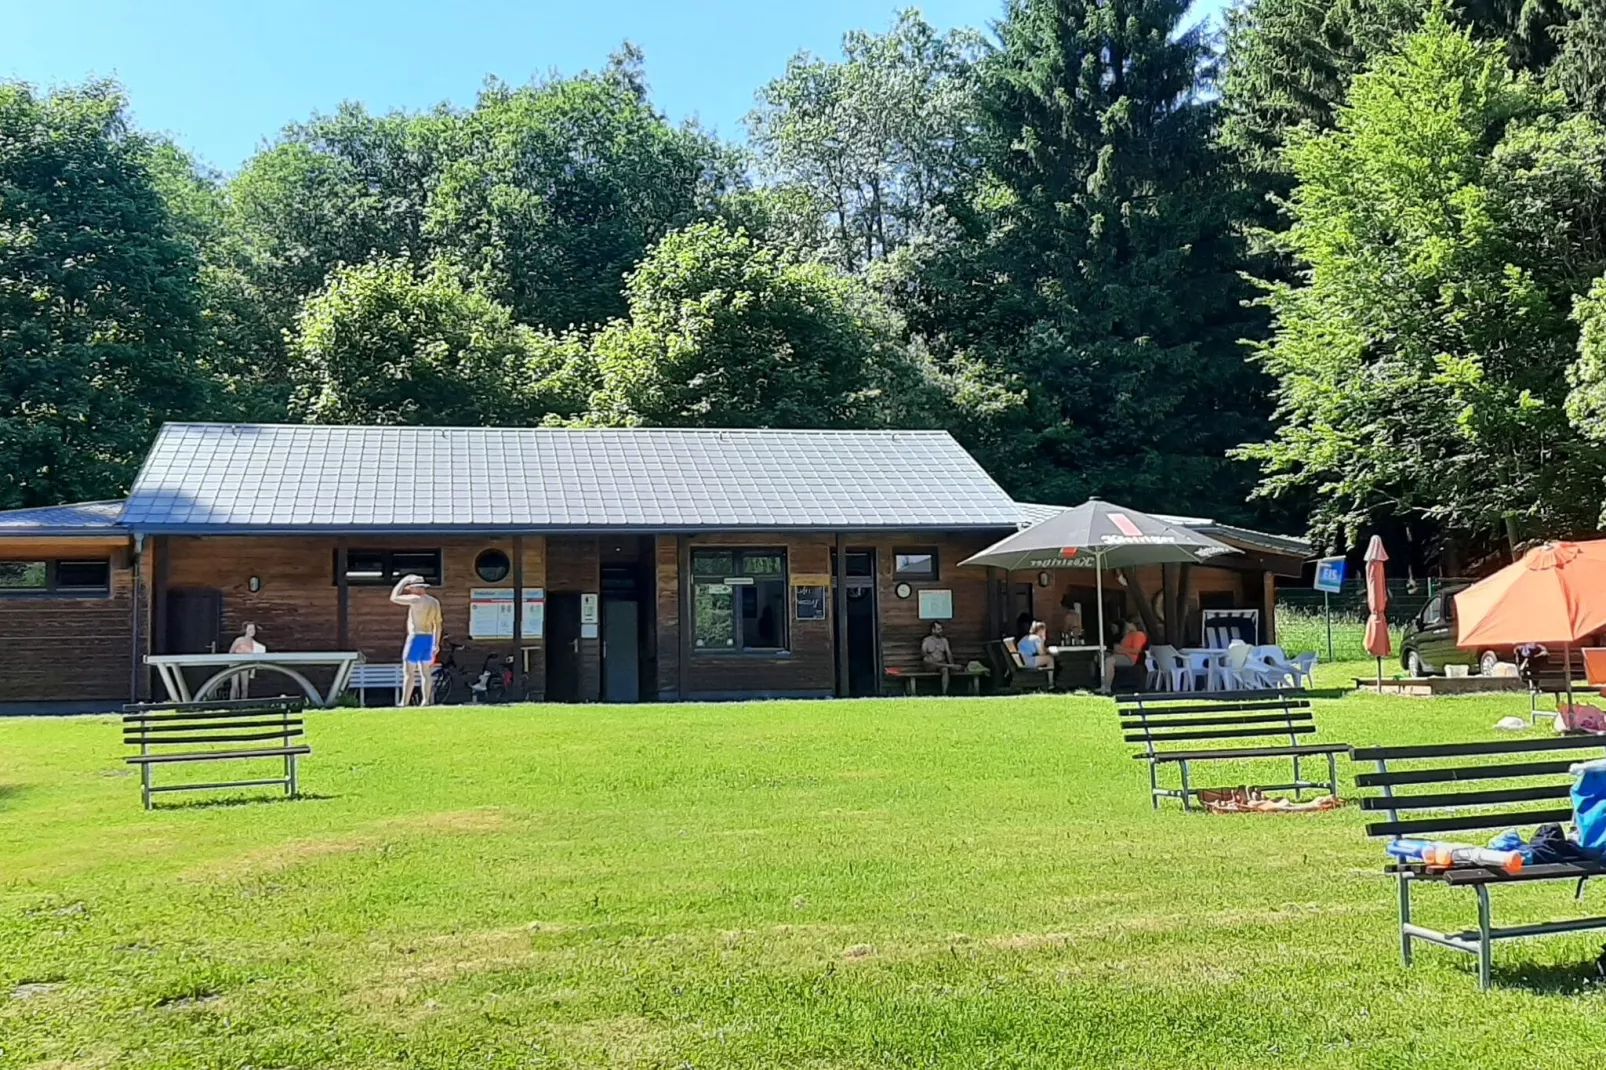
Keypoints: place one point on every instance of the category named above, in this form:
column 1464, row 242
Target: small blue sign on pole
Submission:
column 1330, row 575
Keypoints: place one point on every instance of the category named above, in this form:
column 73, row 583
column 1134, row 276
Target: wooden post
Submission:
column 134, row 553
column 1145, row 610
column 518, row 598
column 343, row 597
column 1185, row 604
column 159, row 595
column 683, row 577
column 1168, row 604
column 1268, row 607
column 839, row 608
column 994, row 631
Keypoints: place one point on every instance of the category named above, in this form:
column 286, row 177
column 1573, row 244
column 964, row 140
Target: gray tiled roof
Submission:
column 253, row 477
column 82, row 518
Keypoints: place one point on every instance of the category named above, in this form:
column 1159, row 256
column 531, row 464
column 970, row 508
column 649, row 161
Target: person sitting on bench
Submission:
column 1125, row 655
column 1034, row 648
column 937, row 656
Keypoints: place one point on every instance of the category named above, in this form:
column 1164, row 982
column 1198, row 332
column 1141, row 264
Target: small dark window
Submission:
column 492, row 566
column 382, row 568
column 55, row 577
column 914, row 564
column 83, row 575
column 860, row 563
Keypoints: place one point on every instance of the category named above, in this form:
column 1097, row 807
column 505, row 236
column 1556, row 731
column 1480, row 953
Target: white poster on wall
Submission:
column 936, row 605
column 534, row 623
column 589, row 604
column 490, row 613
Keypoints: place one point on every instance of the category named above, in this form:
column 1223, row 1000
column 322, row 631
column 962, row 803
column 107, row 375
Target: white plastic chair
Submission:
column 1165, row 663
column 1273, row 667
column 1305, row 668
column 1237, row 670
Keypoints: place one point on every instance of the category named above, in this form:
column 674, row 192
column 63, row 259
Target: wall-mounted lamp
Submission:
column 255, row 583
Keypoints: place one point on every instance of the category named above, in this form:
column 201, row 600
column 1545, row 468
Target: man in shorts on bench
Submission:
column 937, row 656
column 423, row 638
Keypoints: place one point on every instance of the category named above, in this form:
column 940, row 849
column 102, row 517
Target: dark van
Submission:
column 1428, row 644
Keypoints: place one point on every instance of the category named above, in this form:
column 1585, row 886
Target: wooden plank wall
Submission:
column 666, row 573
column 297, row 606
column 67, row 649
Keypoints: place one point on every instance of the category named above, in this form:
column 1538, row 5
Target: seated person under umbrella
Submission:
column 1125, row 655
column 1033, row 648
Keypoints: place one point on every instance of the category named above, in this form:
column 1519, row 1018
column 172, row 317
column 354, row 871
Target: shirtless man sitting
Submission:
column 423, row 638
column 937, row 655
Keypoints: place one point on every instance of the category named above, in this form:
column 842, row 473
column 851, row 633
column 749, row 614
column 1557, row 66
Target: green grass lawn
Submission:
column 895, row 883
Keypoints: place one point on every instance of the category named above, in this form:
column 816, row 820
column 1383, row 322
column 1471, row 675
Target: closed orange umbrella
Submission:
column 1377, row 600
column 1555, row 594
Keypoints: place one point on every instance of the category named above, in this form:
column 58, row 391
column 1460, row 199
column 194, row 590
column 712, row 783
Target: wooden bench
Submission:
column 1533, row 788
column 1556, row 680
column 911, row 679
column 1161, row 721
column 1010, row 672
column 213, row 732
column 367, row 675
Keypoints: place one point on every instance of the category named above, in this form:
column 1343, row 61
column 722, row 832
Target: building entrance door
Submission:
column 194, row 621
column 563, row 646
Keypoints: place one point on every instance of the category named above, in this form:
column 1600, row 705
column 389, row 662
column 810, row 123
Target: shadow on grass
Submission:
column 1563, row 979
column 244, row 800
column 10, row 793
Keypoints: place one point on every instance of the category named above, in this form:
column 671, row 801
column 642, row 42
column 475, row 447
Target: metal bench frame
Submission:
column 1502, row 808
column 1155, row 719
column 224, row 721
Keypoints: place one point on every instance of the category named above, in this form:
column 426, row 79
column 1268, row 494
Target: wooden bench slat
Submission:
column 135, row 731
column 1499, row 819
column 1548, row 872
column 1266, row 694
column 288, row 701
column 1459, row 773
column 1213, row 707
column 242, row 737
column 1491, row 746
column 208, row 715
column 1231, row 733
column 1206, row 722
column 1301, row 750
column 217, row 755
column 1446, row 799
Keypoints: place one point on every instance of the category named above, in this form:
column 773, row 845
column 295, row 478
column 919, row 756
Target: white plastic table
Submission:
column 170, row 667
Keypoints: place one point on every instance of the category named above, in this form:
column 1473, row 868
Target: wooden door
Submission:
column 194, row 621
column 563, row 664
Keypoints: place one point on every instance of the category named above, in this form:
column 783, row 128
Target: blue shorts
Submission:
column 420, row 650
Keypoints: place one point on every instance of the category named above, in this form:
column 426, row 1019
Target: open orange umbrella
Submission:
column 1377, row 600
column 1555, row 594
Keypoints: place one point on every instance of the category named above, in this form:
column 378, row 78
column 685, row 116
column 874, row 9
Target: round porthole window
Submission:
column 492, row 566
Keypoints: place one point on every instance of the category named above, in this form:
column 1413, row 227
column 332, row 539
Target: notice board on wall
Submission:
column 490, row 613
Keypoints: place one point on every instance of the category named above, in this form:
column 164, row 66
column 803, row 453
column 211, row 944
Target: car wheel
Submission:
column 1415, row 665
column 1486, row 662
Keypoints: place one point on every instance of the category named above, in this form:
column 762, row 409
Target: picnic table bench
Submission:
column 1010, row 671
column 911, row 678
column 1533, row 789
column 228, row 730
column 1162, row 721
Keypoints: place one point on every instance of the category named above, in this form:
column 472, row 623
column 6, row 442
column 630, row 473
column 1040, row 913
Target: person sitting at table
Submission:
column 1125, row 655
column 937, row 656
column 1033, row 648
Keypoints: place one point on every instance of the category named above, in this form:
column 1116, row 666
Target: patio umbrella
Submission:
column 1377, row 600
column 1099, row 535
column 1556, row 594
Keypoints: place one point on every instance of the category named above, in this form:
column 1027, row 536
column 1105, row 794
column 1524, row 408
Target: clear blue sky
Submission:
column 222, row 76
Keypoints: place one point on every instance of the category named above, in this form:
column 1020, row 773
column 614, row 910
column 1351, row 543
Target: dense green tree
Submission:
column 555, row 191
column 384, row 343
column 875, row 143
column 1442, row 229
column 1096, row 289
column 724, row 332
column 100, row 320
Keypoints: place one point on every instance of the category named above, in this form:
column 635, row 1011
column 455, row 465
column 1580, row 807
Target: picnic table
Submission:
column 291, row 663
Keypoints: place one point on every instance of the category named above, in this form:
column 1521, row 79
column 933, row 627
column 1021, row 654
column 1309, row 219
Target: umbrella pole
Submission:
column 1098, row 582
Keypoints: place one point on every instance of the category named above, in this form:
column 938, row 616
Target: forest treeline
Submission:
column 1339, row 266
